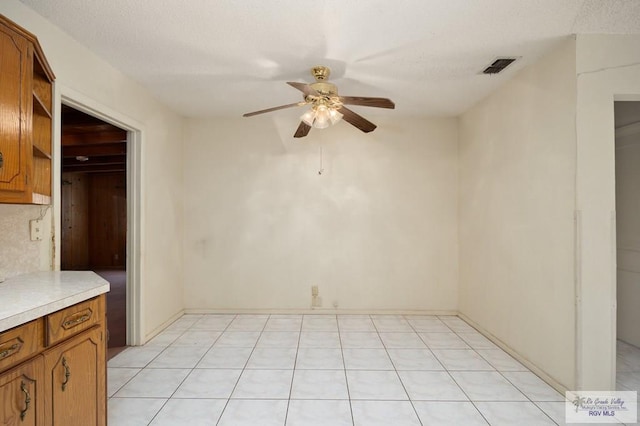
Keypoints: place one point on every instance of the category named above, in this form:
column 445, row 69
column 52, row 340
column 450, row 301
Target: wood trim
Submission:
column 93, row 137
column 93, row 150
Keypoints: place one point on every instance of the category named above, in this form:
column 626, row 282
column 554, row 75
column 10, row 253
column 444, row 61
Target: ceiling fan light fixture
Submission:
column 321, row 117
column 335, row 115
column 327, row 107
column 308, row 117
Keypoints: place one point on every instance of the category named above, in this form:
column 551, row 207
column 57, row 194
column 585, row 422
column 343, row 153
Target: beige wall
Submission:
column 84, row 77
column 376, row 231
column 628, row 232
column 607, row 68
column 517, row 191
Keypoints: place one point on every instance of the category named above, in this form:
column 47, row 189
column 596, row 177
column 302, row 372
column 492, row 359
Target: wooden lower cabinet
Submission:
column 22, row 398
column 62, row 384
column 75, row 382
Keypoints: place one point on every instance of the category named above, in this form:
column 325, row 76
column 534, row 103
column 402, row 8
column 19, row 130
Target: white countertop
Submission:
column 24, row 298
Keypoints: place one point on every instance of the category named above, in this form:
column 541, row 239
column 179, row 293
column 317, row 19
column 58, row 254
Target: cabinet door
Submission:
column 22, row 394
column 76, row 385
column 14, row 106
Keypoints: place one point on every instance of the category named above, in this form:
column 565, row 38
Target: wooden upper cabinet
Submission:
column 26, row 101
column 14, row 102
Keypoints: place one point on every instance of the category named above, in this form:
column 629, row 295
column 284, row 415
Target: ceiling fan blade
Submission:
column 304, row 88
column 357, row 120
column 303, row 130
column 251, row 114
column 370, row 102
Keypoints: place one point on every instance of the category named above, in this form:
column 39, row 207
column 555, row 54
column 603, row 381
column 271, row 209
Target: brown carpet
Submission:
column 116, row 307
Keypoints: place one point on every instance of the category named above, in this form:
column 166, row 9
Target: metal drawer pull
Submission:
column 73, row 322
column 1, row 160
column 67, row 373
column 27, row 401
column 9, row 351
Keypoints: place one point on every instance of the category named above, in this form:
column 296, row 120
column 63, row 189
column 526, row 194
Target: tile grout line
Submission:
column 147, row 365
column 475, row 350
column 434, row 356
column 456, row 382
column 144, row 367
column 344, row 365
column 197, row 362
column 243, row 368
column 191, row 370
column 293, row 374
column 396, row 370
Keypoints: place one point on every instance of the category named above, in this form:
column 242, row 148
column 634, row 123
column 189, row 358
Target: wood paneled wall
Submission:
column 74, row 239
column 94, row 221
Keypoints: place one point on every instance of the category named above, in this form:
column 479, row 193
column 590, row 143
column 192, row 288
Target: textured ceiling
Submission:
column 223, row 58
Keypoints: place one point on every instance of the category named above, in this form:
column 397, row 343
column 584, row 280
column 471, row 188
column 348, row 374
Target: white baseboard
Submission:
column 321, row 311
column 153, row 333
column 522, row 360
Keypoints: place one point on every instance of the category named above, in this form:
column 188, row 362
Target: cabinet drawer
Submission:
column 74, row 319
column 20, row 343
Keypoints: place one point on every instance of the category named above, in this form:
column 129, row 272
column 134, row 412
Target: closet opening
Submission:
column 627, row 169
column 94, row 204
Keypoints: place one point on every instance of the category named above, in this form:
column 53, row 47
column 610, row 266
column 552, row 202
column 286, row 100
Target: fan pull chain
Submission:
column 321, row 169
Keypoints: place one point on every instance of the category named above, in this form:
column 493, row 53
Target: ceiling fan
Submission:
column 327, row 107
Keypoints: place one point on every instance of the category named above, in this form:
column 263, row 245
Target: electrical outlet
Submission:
column 35, row 228
column 316, row 300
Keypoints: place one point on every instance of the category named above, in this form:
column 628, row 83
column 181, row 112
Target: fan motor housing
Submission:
column 325, row 89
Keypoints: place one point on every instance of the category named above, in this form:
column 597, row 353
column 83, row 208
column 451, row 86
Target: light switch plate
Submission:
column 35, row 227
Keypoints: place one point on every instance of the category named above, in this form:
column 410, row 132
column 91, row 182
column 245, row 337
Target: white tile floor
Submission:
column 328, row 370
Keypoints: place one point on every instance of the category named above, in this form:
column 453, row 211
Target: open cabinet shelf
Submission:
column 26, row 107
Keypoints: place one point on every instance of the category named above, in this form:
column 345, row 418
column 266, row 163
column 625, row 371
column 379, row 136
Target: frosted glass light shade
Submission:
column 308, row 117
column 321, row 117
column 335, row 116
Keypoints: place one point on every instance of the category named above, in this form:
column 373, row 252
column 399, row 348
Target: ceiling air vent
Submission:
column 498, row 65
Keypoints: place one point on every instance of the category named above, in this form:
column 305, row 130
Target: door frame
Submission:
column 135, row 131
column 633, row 130
column 596, row 246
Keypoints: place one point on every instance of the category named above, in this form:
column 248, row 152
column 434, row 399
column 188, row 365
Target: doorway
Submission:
column 627, row 169
column 94, row 205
